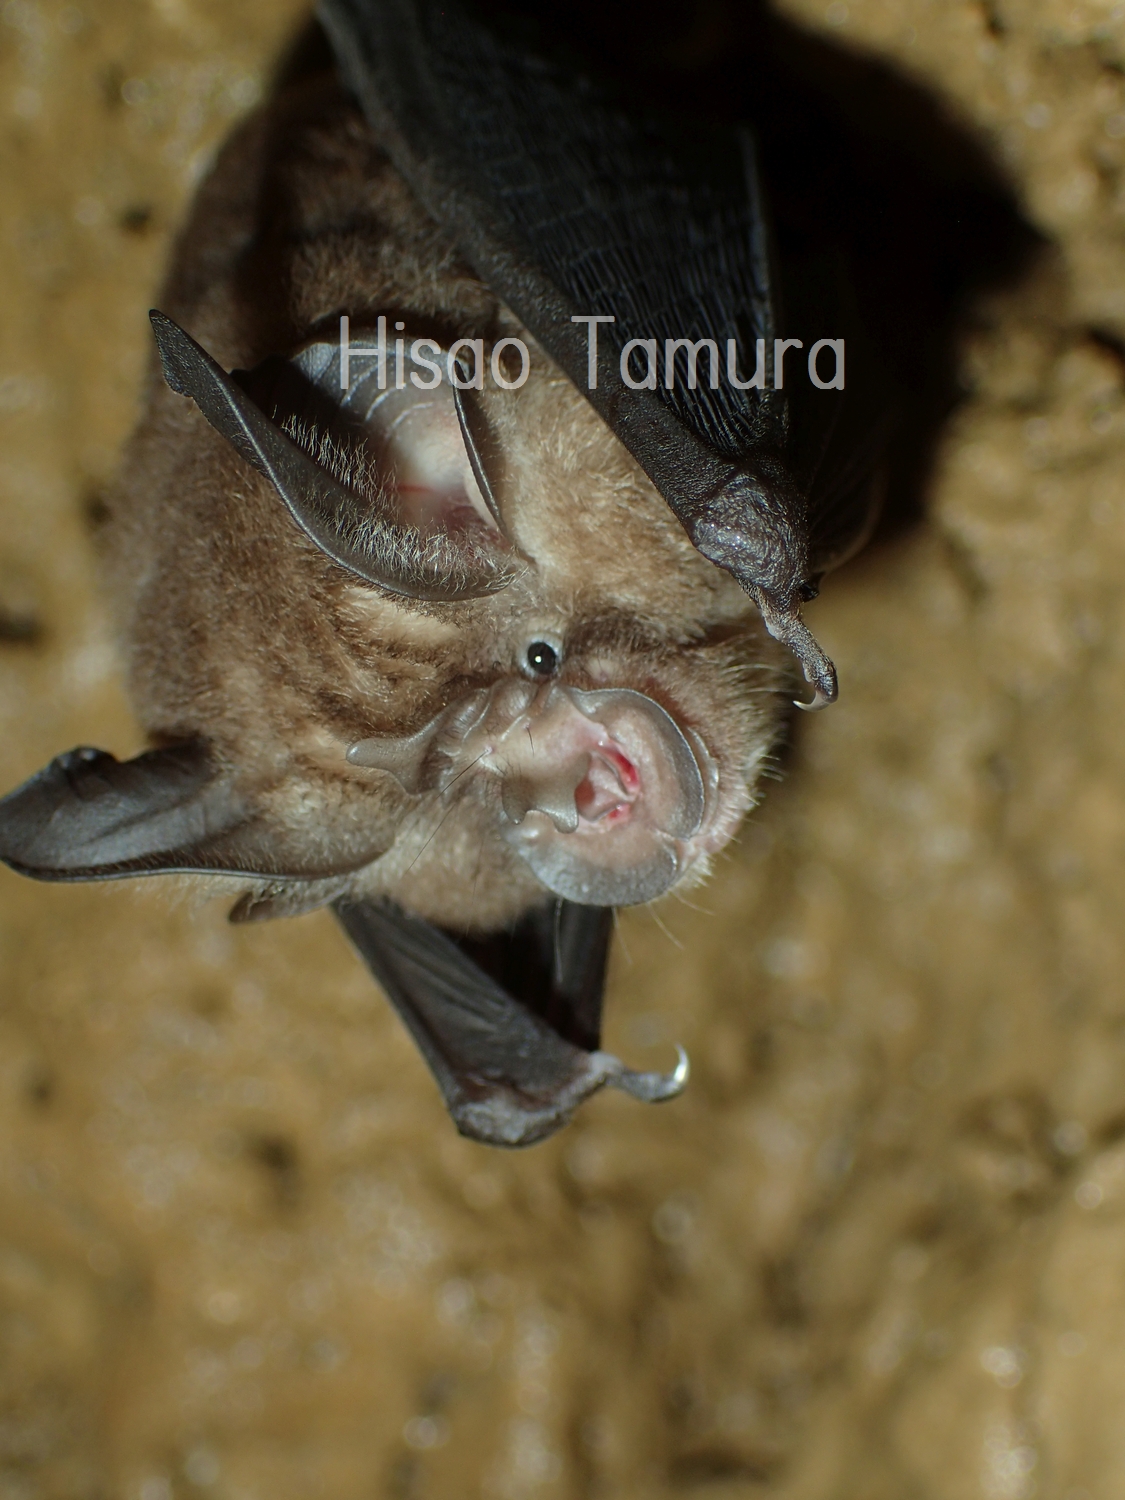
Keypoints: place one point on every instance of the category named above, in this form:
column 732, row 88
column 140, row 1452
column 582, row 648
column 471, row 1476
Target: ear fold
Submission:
column 485, row 454
column 88, row 816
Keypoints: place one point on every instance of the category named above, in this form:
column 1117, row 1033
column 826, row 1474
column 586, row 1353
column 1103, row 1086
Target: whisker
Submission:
column 665, row 930
column 620, row 936
column 691, row 906
column 461, row 773
column 428, row 842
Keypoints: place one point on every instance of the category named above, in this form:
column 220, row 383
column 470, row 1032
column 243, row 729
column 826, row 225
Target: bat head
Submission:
column 564, row 745
column 601, row 793
column 442, row 644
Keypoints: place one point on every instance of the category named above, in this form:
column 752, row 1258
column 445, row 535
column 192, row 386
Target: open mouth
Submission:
column 609, row 790
column 602, row 793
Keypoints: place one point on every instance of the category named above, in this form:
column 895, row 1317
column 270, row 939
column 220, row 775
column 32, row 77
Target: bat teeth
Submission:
column 684, row 810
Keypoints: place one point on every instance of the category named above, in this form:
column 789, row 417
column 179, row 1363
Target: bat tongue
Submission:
column 601, row 792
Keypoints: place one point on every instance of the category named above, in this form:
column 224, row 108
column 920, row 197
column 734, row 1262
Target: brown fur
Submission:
column 239, row 630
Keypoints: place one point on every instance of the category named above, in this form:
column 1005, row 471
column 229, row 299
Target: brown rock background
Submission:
column 877, row 1251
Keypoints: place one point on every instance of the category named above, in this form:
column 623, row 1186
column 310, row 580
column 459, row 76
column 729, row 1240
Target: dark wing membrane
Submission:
column 554, row 962
column 627, row 217
column 524, row 180
column 564, row 205
column 89, row 816
column 386, row 53
column 837, row 437
column 845, row 488
column 508, row 1074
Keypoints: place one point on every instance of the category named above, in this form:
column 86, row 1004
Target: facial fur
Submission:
column 241, row 632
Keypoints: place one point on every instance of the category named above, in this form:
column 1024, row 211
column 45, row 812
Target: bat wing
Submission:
column 509, row 1026
column 89, row 816
column 566, row 207
column 837, row 438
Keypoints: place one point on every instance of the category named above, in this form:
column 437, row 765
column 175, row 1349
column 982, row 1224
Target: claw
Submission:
column 786, row 626
column 818, row 700
column 652, row 1088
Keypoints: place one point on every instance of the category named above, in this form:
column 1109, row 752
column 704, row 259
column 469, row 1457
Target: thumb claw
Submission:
column 819, row 699
column 786, row 626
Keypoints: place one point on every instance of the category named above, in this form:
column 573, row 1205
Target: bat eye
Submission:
column 542, row 659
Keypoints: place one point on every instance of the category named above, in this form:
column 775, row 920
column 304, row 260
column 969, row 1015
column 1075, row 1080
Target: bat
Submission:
column 472, row 662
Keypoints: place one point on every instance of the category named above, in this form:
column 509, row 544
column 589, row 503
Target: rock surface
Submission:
column 875, row 1251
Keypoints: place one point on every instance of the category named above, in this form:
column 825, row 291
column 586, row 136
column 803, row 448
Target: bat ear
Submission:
column 346, row 517
column 485, row 455
column 88, row 816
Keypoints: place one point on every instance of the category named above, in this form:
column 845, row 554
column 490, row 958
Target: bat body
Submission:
column 454, row 657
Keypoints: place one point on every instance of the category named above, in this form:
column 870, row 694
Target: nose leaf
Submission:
column 401, row 755
column 555, row 794
column 516, row 798
column 601, row 791
column 547, row 789
column 603, row 788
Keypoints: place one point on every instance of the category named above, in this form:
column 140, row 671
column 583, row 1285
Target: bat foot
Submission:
column 786, row 626
column 508, row 1077
column 652, row 1088
column 507, row 1116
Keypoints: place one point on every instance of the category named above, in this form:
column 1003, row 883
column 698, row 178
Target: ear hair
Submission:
column 343, row 523
column 423, row 564
column 88, row 816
